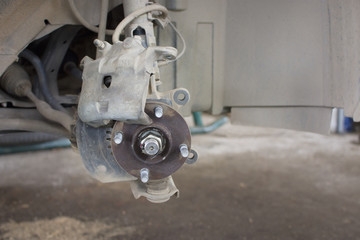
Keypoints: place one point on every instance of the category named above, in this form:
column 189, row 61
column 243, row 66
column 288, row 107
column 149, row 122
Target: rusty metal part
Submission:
column 174, row 131
column 94, row 147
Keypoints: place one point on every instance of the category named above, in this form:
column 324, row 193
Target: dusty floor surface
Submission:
column 250, row 183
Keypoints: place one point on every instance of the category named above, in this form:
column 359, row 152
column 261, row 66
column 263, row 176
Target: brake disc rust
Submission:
column 173, row 131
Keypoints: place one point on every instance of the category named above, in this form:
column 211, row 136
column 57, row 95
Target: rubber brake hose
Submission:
column 40, row 71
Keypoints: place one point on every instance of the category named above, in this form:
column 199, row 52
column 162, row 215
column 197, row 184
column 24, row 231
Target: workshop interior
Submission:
column 115, row 79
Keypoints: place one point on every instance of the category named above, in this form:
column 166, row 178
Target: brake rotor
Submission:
column 170, row 127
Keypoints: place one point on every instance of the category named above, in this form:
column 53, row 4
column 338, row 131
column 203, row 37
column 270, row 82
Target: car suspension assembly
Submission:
column 127, row 130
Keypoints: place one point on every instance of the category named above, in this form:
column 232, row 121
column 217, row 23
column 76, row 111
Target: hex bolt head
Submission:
column 151, row 147
column 99, row 44
column 159, row 112
column 184, row 150
column 144, row 175
column 118, row 137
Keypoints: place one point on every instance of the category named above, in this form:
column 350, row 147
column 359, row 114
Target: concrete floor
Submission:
column 250, row 183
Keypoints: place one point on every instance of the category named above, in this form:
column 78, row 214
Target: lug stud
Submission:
column 118, row 137
column 159, row 112
column 99, row 44
column 184, row 150
column 144, row 175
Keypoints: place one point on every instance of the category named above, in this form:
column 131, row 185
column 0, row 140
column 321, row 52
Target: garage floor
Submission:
column 250, row 183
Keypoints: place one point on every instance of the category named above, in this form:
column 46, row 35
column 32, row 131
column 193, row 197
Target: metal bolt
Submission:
column 99, row 44
column 144, row 175
column 184, row 150
column 151, row 146
column 118, row 137
column 101, row 169
column 159, row 112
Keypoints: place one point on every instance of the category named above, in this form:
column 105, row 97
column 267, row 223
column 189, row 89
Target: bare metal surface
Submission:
column 144, row 175
column 158, row 112
column 99, row 44
column 118, row 137
column 184, row 150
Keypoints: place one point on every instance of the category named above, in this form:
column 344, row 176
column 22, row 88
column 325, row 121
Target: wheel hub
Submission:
column 155, row 147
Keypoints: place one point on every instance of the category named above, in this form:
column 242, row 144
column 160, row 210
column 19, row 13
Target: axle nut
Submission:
column 151, row 146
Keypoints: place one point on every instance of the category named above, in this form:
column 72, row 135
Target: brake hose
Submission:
column 40, row 70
